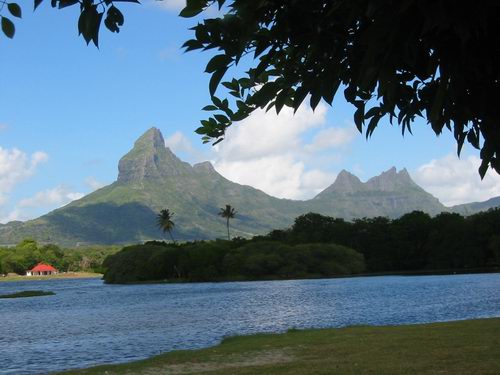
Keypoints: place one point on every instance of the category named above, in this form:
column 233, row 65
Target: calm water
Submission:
column 88, row 323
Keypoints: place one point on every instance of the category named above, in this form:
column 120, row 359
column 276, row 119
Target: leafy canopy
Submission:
column 435, row 59
column 439, row 60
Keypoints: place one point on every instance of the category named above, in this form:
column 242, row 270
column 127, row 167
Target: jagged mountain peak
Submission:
column 390, row 180
column 151, row 159
column 151, row 138
column 345, row 182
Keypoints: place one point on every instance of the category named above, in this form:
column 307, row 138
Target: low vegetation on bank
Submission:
column 27, row 293
column 459, row 348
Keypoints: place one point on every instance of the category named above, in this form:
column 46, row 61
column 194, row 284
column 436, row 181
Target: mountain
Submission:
column 151, row 177
column 475, row 207
column 390, row 194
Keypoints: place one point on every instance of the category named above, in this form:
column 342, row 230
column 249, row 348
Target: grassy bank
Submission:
column 465, row 347
column 66, row 275
column 27, row 293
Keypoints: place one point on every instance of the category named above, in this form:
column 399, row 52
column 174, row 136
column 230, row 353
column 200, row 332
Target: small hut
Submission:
column 42, row 269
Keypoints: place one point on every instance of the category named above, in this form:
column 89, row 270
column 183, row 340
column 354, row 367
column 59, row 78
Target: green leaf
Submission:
column 37, row 3
column 67, row 3
column 114, row 19
column 372, row 112
column 483, row 168
column 89, row 23
column 218, row 62
column 8, row 27
column 222, row 119
column 315, row 99
column 214, row 81
column 299, row 96
column 359, row 118
column 209, row 108
column 14, row 9
column 193, row 7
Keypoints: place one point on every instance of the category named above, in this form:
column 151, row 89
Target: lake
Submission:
column 88, row 323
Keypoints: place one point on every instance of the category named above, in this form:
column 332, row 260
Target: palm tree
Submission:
column 228, row 213
column 165, row 223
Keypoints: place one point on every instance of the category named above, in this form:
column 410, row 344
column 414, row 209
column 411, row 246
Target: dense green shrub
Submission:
column 225, row 260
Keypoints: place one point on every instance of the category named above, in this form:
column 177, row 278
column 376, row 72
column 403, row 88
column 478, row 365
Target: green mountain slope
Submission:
column 151, row 178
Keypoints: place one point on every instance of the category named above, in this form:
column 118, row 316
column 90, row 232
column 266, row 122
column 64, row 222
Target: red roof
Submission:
column 42, row 267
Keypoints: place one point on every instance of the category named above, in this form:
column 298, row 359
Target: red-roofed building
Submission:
column 41, row 269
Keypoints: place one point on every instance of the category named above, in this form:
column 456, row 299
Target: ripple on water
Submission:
column 88, row 323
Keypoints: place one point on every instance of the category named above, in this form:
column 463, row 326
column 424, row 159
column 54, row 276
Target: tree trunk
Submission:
column 172, row 237
column 228, row 238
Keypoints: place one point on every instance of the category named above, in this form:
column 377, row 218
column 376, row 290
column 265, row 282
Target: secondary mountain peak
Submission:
column 150, row 159
column 204, row 167
column 390, row 180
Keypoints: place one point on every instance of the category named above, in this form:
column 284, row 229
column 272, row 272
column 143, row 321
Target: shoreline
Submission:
column 457, row 347
column 59, row 276
column 439, row 272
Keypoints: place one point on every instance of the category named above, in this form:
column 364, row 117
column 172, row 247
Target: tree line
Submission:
column 28, row 253
column 415, row 241
column 222, row 260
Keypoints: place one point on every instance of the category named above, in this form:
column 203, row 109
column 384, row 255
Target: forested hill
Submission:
column 152, row 178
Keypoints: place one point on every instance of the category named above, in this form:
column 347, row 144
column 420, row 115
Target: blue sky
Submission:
column 69, row 112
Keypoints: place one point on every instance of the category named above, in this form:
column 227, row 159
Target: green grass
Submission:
column 27, row 293
column 464, row 347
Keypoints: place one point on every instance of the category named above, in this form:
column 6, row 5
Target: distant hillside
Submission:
column 472, row 208
column 391, row 194
column 151, row 178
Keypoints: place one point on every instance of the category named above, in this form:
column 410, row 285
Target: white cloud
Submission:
column 40, row 203
column 332, row 137
column 15, row 167
column 14, row 215
column 266, row 133
column 51, row 198
column 267, row 151
column 178, row 142
column 93, row 184
column 455, row 181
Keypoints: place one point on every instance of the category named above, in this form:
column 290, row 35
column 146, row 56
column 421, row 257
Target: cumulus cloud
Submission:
column 50, row 198
column 269, row 152
column 13, row 215
column 39, row 203
column 456, row 181
column 332, row 137
column 179, row 143
column 268, row 134
column 15, row 167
